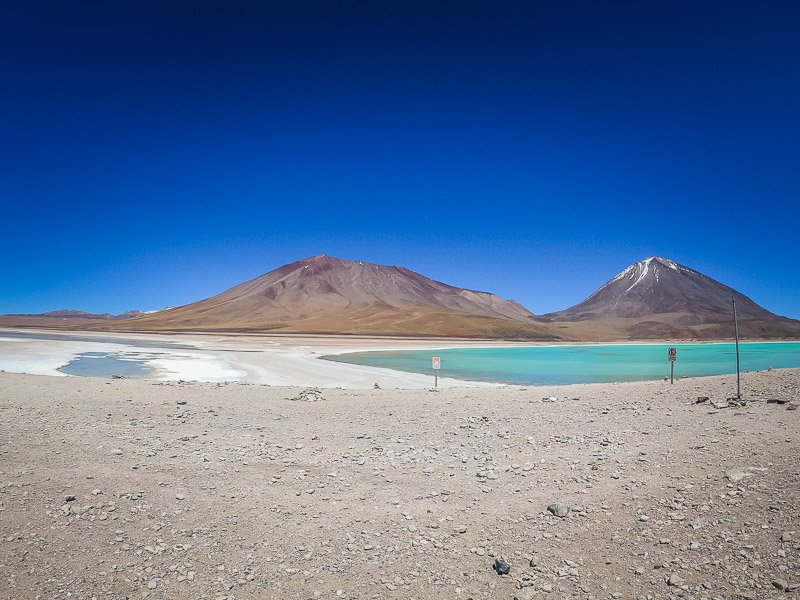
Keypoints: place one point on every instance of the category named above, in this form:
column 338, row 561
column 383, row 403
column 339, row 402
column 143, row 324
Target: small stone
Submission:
column 559, row 509
column 180, row 497
column 675, row 580
column 781, row 584
column 786, row 537
column 116, row 451
column 152, row 584
column 501, row 566
column 71, row 498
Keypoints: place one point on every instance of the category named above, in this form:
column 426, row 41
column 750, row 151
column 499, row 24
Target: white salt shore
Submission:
column 269, row 360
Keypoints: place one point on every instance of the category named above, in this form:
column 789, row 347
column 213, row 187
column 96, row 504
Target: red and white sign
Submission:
column 437, row 363
column 673, row 354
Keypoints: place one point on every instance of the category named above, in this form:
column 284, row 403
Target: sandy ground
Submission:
column 143, row 489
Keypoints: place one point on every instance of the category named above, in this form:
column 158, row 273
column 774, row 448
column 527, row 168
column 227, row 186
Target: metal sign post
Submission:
column 736, row 329
column 437, row 363
column 673, row 356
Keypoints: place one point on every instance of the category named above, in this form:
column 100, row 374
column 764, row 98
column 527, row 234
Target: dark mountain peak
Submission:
column 657, row 285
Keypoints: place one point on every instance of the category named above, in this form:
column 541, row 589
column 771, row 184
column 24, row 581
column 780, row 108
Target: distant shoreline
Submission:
column 269, row 359
column 386, row 336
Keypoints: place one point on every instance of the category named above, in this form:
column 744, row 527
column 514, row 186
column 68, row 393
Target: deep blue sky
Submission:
column 155, row 153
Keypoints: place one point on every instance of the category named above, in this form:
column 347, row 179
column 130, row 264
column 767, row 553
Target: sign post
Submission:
column 437, row 364
column 673, row 356
column 736, row 329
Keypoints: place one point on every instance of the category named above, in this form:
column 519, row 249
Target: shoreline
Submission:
column 277, row 360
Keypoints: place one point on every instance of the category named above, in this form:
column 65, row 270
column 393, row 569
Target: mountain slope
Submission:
column 323, row 294
column 659, row 298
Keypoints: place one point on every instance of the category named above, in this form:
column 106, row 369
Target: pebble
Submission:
column 501, row 566
column 676, row 580
column 559, row 509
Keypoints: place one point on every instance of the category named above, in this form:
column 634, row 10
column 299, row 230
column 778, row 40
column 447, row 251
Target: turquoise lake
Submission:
column 564, row 365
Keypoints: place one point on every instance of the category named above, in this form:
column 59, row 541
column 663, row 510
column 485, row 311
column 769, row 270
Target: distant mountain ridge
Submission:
column 60, row 318
column 655, row 298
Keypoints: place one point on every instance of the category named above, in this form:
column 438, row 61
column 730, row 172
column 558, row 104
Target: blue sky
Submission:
column 157, row 153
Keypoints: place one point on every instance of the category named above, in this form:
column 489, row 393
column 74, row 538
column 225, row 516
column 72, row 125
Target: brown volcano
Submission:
column 323, row 294
column 658, row 298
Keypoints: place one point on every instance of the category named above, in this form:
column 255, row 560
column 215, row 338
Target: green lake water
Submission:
column 564, row 365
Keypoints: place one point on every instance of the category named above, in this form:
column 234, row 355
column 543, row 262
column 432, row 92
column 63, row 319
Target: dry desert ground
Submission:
column 148, row 489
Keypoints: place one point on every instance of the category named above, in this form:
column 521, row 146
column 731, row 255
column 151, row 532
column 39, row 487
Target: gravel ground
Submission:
column 139, row 489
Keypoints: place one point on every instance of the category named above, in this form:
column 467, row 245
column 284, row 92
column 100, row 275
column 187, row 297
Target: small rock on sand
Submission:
column 559, row 509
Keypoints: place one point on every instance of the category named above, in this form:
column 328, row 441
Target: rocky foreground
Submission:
column 134, row 489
